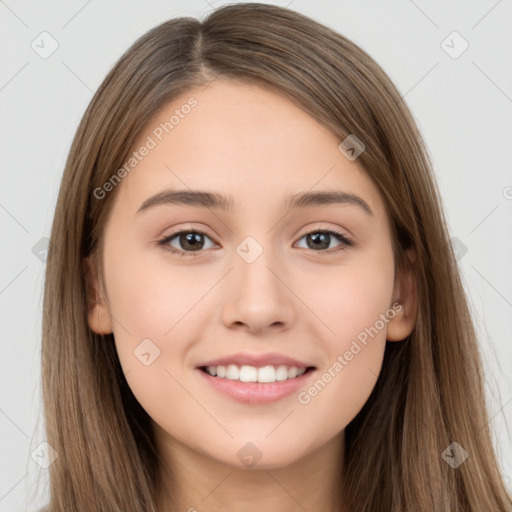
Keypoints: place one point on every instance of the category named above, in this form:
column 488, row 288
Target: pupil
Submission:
column 322, row 237
column 193, row 240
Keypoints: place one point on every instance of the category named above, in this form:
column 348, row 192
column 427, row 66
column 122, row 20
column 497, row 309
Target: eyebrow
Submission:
column 203, row 199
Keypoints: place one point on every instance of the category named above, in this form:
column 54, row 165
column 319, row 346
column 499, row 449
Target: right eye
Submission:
column 191, row 241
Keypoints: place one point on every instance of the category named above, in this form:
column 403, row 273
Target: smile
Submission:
column 247, row 373
column 256, row 385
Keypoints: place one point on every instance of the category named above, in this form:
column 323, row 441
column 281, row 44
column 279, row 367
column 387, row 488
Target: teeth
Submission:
column 233, row 372
column 267, row 374
column 281, row 373
column 248, row 373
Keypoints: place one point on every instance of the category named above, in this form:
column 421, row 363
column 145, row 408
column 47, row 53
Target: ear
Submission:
column 98, row 315
column 405, row 294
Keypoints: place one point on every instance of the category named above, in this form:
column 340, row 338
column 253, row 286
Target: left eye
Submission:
column 192, row 242
column 318, row 239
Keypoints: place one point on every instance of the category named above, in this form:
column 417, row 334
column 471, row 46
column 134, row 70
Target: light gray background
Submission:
column 463, row 107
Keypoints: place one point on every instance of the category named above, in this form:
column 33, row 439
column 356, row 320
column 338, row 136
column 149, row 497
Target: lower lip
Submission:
column 256, row 392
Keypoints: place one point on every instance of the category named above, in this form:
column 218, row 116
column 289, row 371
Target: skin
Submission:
column 254, row 145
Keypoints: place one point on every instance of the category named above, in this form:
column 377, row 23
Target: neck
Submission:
column 193, row 482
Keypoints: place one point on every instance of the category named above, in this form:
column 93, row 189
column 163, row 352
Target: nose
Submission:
column 257, row 297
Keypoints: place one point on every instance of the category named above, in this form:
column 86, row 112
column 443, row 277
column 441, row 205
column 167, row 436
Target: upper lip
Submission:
column 257, row 360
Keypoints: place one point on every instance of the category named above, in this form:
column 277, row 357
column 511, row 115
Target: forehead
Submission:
column 243, row 141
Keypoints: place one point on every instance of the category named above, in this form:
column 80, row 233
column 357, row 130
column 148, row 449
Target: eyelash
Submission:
column 345, row 242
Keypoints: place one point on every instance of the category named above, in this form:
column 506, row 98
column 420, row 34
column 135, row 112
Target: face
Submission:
column 249, row 286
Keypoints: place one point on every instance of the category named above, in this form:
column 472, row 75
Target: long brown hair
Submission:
column 421, row 402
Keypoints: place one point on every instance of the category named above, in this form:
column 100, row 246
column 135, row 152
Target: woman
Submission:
column 256, row 371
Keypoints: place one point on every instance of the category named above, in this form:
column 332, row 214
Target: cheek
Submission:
column 352, row 303
column 350, row 298
column 150, row 299
column 155, row 307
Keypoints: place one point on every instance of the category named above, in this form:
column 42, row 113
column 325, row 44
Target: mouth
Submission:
column 256, row 385
column 267, row 374
column 256, row 378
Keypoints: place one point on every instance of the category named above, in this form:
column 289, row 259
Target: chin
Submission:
column 261, row 454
